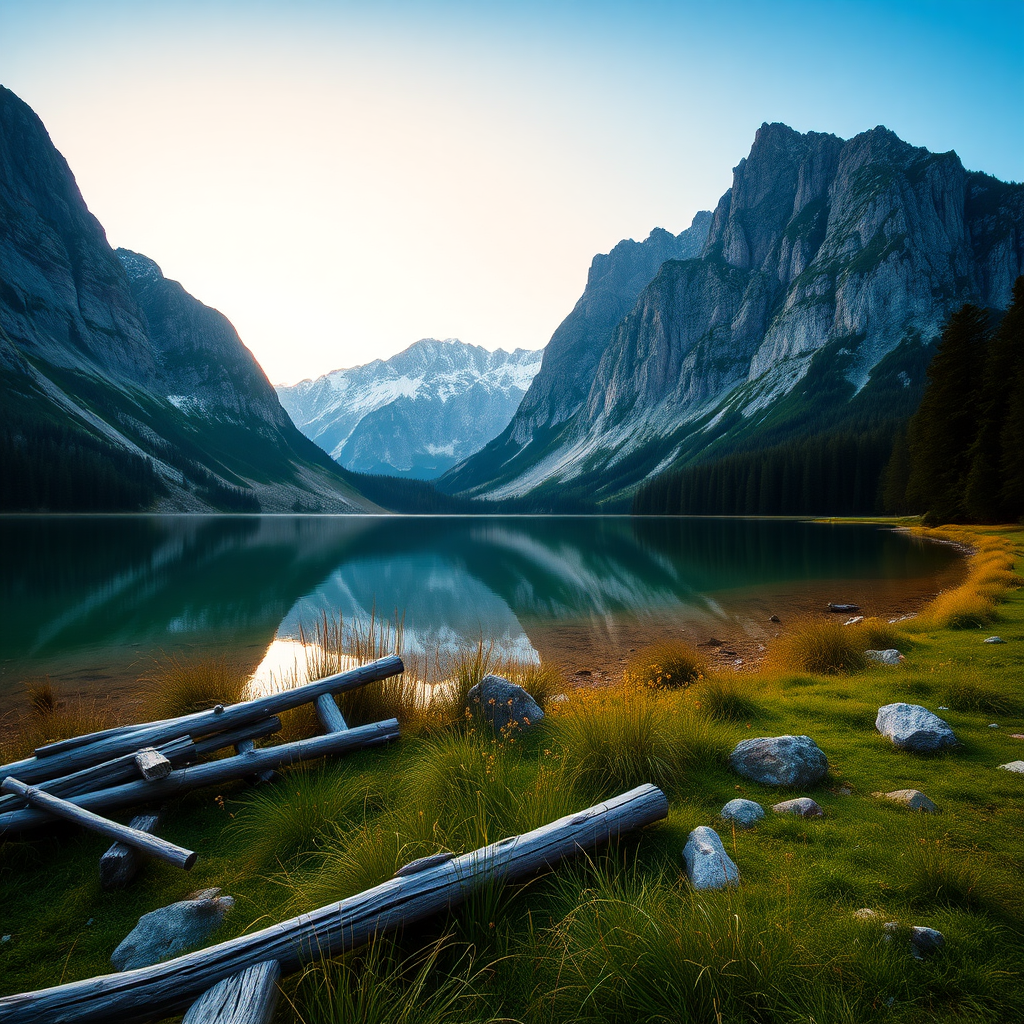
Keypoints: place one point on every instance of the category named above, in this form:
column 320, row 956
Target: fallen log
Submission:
column 119, row 864
column 202, row 723
column 150, row 993
column 212, row 773
column 329, row 713
column 245, row 998
column 142, row 841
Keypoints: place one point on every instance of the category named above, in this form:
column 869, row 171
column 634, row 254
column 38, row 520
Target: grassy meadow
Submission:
column 619, row 936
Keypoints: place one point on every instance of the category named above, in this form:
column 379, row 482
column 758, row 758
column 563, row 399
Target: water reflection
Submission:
column 86, row 597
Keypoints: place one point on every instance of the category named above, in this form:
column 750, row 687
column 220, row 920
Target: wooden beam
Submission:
column 329, row 713
column 120, row 863
column 142, row 841
column 248, row 997
column 150, row 993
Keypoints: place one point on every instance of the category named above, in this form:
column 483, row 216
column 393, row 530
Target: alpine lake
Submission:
column 95, row 603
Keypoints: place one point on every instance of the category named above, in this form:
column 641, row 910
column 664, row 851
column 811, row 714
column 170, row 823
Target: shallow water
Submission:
column 94, row 602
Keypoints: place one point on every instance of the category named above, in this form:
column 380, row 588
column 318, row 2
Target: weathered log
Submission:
column 212, row 773
column 152, row 764
column 62, row 746
column 245, row 747
column 142, row 841
column 120, row 863
column 248, row 997
column 148, row 993
column 202, row 723
column 329, row 713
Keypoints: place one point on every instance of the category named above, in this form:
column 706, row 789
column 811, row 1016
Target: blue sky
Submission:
column 343, row 178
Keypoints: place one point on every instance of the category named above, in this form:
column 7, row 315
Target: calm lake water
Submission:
column 93, row 601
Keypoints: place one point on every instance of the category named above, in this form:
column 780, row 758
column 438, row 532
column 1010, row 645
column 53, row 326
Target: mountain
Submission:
column 417, row 413
column 827, row 272
column 119, row 391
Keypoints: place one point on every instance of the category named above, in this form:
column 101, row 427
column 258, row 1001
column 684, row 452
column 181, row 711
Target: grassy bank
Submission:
column 621, row 936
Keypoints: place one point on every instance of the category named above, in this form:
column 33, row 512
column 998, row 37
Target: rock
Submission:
column 842, row 607
column 866, row 914
column 746, row 813
column 780, row 761
column 912, row 727
column 854, row 620
column 774, row 618
column 5, row 938
column 993, row 725
column 502, row 703
column 803, row 806
column 1017, row 735
column 1014, row 766
column 994, row 640
column 162, row 934
column 925, row 940
column 708, row 866
column 914, row 799
column 889, row 657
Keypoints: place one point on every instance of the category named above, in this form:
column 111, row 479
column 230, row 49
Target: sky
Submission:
column 341, row 179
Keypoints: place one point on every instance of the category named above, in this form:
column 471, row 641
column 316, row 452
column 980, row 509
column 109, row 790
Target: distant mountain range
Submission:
column 416, row 414
column 118, row 389
column 808, row 302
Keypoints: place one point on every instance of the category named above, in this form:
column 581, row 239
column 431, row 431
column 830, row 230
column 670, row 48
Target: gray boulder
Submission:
column 164, row 933
column 708, row 866
column 503, row 704
column 914, row 799
column 1014, row 766
column 925, row 940
column 912, row 727
column 803, row 806
column 889, row 657
column 780, row 761
column 746, row 813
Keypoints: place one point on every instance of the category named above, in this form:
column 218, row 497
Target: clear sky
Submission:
column 342, row 179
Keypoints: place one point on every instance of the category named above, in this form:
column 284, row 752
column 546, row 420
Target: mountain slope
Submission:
column 417, row 413
column 119, row 390
column 828, row 269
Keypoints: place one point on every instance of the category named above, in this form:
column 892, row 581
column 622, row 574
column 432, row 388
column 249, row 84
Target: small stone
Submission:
column 774, row 618
column 830, row 607
column 942, row 707
column 912, row 727
column 994, row 640
column 746, row 813
column 866, row 914
column 1017, row 735
column 5, row 938
column 926, row 940
column 738, row 661
column 891, row 926
column 854, row 620
column 803, row 806
column 708, row 866
column 780, row 761
column 913, row 799
column 993, row 725
column 503, row 704
column 1014, row 766
column 889, row 657
column 90, row 922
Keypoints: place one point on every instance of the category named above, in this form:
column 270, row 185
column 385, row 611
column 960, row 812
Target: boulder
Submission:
column 746, row 813
column 912, row 727
column 708, row 866
column 503, row 705
column 803, row 806
column 1014, row 766
column 889, row 657
column 914, row 799
column 925, row 940
column 164, row 933
column 780, row 761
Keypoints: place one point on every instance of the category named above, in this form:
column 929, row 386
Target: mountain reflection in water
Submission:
column 91, row 599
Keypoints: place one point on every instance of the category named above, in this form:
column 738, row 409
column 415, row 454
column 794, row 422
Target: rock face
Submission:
column 416, row 414
column 912, row 727
column 503, row 704
column 828, row 266
column 708, row 866
column 164, row 933
column 120, row 374
column 746, row 813
column 803, row 807
column 795, row 761
column 914, row 799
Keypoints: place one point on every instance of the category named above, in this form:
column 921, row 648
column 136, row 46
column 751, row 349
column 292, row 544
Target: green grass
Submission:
column 618, row 935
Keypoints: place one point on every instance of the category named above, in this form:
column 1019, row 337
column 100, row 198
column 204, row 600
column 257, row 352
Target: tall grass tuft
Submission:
column 50, row 717
column 726, row 700
column 671, row 663
column 183, row 686
column 969, row 690
column 819, row 646
column 42, row 697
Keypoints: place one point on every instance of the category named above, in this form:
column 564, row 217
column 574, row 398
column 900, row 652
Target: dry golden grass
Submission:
column 183, row 686
column 819, row 646
column 48, row 717
column 670, row 663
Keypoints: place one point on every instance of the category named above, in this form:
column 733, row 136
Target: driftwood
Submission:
column 150, row 993
column 120, row 864
column 329, row 714
column 142, row 841
column 211, row 773
column 50, row 763
column 245, row 998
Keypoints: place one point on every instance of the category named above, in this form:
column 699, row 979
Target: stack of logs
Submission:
column 141, row 764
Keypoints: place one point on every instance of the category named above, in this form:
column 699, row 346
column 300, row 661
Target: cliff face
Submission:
column 103, row 355
column 824, row 260
column 417, row 413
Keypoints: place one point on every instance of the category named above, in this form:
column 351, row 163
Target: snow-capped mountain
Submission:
column 416, row 414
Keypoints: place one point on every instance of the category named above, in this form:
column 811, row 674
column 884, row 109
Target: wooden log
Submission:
column 329, row 713
column 142, row 841
column 248, row 997
column 120, row 863
column 149, row 993
column 152, row 764
column 202, row 723
column 245, row 747
column 212, row 773
column 62, row 746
